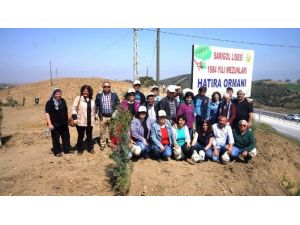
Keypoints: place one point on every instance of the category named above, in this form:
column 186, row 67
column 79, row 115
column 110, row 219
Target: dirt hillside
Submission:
column 27, row 166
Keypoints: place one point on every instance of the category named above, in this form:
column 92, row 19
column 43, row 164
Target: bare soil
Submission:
column 27, row 166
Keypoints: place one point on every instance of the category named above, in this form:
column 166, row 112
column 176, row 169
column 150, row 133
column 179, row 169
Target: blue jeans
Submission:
column 145, row 149
column 236, row 152
column 157, row 154
column 210, row 153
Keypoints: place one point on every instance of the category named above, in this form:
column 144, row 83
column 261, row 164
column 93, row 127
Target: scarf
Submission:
column 56, row 103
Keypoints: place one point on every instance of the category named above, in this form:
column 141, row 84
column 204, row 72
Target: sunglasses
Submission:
column 243, row 125
column 106, row 86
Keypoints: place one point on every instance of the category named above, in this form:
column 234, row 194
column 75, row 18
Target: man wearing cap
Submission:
column 169, row 104
column 106, row 103
column 150, row 105
column 162, row 137
column 223, row 141
column 244, row 143
column 140, row 130
column 179, row 94
column 244, row 110
column 155, row 91
column 139, row 96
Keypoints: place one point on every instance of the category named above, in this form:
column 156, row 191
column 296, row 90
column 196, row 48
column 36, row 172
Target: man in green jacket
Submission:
column 244, row 143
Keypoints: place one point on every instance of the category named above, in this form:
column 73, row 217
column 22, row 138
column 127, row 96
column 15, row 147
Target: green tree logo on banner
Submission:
column 202, row 53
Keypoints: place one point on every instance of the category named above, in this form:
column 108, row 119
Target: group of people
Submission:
column 179, row 125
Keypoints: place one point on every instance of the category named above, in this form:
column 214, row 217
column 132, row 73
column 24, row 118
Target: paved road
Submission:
column 272, row 114
column 285, row 127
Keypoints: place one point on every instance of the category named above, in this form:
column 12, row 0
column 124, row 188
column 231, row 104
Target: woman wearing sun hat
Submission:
column 129, row 103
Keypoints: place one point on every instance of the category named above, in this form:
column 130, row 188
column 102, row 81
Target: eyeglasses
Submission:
column 106, row 86
column 243, row 125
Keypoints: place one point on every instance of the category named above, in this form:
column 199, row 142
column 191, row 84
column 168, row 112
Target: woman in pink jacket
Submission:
column 129, row 103
column 187, row 109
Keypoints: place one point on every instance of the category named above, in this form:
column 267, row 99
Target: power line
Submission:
column 225, row 40
column 111, row 44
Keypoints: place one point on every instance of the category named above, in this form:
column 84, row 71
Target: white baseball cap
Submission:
column 142, row 109
column 171, row 88
column 201, row 155
column 131, row 90
column 195, row 157
column 150, row 94
column 225, row 157
column 253, row 153
column 186, row 90
column 180, row 156
column 177, row 151
column 154, row 86
column 162, row 113
column 136, row 150
column 137, row 82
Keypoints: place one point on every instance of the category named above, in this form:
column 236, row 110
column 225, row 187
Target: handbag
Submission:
column 71, row 121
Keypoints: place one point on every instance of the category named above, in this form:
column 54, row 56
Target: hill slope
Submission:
column 70, row 87
column 275, row 94
column 27, row 166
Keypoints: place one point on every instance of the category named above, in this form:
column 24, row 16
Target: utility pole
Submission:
column 147, row 72
column 157, row 55
column 135, row 55
column 51, row 73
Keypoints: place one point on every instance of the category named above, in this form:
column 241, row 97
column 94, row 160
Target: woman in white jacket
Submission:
column 84, row 115
column 183, row 139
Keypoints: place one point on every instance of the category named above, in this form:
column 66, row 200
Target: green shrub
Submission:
column 10, row 102
column 120, row 172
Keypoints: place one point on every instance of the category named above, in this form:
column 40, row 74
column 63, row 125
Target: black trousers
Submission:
column 187, row 151
column 63, row 132
column 198, row 121
column 89, row 138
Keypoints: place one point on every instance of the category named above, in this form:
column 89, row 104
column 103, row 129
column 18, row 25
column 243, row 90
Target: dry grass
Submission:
column 70, row 87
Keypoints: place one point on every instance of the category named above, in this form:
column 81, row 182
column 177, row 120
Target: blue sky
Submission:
column 25, row 53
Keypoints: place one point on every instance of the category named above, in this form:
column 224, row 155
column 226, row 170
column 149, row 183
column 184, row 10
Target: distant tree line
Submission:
column 275, row 95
